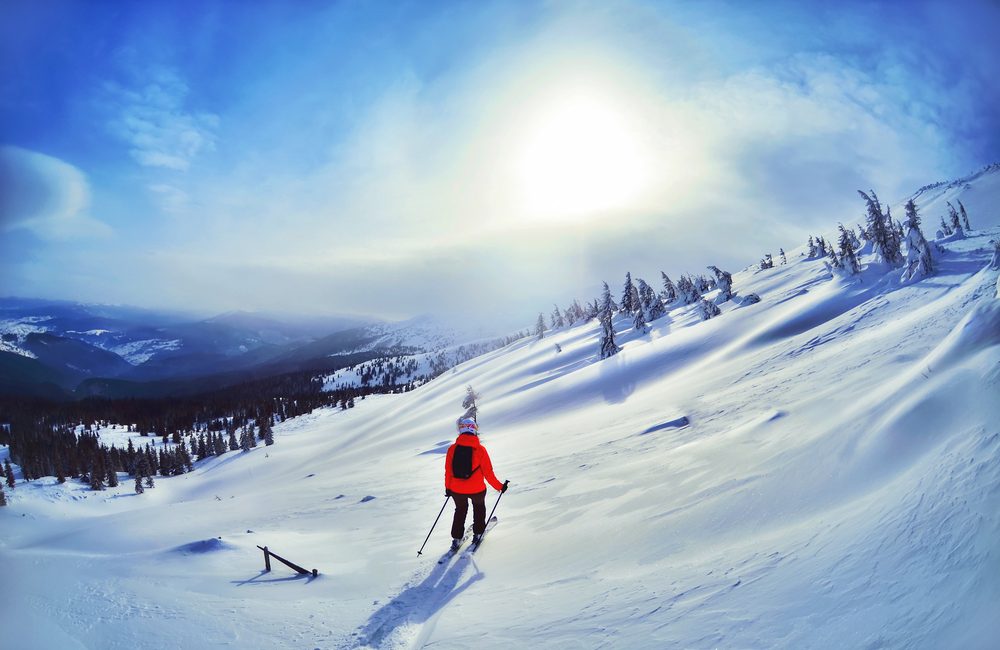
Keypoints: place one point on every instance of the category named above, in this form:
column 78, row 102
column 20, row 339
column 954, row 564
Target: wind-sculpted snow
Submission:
column 816, row 470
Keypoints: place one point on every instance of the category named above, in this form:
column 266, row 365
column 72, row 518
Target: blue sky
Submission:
column 392, row 159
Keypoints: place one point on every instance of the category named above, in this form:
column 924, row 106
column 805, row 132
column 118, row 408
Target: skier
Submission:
column 465, row 467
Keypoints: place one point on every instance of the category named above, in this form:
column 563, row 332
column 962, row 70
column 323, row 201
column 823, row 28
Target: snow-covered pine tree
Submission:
column 469, row 403
column 669, row 293
column 628, row 295
column 138, row 484
column 3, row 497
column 540, row 327
column 593, row 309
column 956, row 221
column 709, row 309
column 995, row 261
column 821, row 247
column 687, row 291
column 246, row 440
column 945, row 229
column 724, row 281
column 811, row 252
column 608, row 346
column 267, row 430
column 965, row 216
column 651, row 305
column 835, row 262
column 884, row 243
column 607, row 303
column 855, row 241
column 639, row 320
column 784, row 260
column 919, row 261
column 557, row 318
column 766, row 262
column 8, row 473
column 848, row 260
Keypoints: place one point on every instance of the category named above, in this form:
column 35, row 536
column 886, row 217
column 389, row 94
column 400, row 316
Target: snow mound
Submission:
column 202, row 546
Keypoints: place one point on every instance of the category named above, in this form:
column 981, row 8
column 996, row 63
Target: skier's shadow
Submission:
column 417, row 603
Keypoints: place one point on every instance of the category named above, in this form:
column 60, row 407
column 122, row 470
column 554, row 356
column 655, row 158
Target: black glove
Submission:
column 447, row 493
column 504, row 488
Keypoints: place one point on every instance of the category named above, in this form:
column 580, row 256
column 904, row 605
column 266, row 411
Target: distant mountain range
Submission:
column 69, row 350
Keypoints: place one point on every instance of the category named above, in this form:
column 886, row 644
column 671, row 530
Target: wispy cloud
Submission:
column 45, row 195
column 152, row 117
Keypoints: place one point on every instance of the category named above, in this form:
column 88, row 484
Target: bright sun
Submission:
column 580, row 156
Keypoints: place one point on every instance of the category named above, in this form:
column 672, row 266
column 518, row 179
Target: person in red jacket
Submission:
column 465, row 468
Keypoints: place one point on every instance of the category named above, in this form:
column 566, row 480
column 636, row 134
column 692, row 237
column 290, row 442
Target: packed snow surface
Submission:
column 820, row 469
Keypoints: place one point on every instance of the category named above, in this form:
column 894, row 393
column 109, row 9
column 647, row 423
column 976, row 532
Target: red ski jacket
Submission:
column 481, row 468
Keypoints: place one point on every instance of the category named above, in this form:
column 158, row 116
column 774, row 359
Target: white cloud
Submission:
column 151, row 116
column 44, row 195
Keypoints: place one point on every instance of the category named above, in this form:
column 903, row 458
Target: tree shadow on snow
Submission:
column 417, row 603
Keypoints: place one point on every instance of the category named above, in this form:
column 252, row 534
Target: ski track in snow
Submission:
column 821, row 469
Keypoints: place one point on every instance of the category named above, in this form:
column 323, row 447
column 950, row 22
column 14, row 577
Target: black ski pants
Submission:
column 462, row 509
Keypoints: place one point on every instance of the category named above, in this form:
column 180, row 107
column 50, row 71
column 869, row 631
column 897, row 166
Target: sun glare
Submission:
column 580, row 157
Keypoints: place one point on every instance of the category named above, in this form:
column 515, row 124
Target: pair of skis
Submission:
column 472, row 549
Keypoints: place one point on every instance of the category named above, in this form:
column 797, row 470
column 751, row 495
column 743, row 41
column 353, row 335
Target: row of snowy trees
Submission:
column 892, row 243
column 642, row 304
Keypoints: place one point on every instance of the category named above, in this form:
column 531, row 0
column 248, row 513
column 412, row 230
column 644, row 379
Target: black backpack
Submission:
column 461, row 462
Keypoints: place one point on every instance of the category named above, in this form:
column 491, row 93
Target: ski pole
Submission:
column 498, row 501
column 421, row 551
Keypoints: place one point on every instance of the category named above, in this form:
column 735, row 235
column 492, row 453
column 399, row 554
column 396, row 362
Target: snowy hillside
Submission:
column 816, row 470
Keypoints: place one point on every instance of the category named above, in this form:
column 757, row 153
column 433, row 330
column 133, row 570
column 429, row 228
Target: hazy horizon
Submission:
column 481, row 160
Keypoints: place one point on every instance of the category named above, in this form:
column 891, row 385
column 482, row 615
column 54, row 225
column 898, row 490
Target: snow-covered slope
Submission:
column 816, row 470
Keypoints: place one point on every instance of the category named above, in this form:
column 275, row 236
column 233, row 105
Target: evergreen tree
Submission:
column 767, row 262
column 688, row 293
column 965, row 216
column 608, row 346
column 557, row 318
column 709, row 309
column 607, row 303
column 3, row 497
column 112, row 476
column 821, row 247
column 96, row 477
column 945, row 230
column 669, row 293
column 651, row 305
column 8, row 472
column 919, row 261
column 724, row 281
column 540, row 327
column 138, row 484
column 150, row 483
column 884, row 243
column 811, row 253
column 626, row 302
column 639, row 320
column 233, row 445
column 848, row 259
column 469, row 403
column 956, row 223
column 784, row 260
